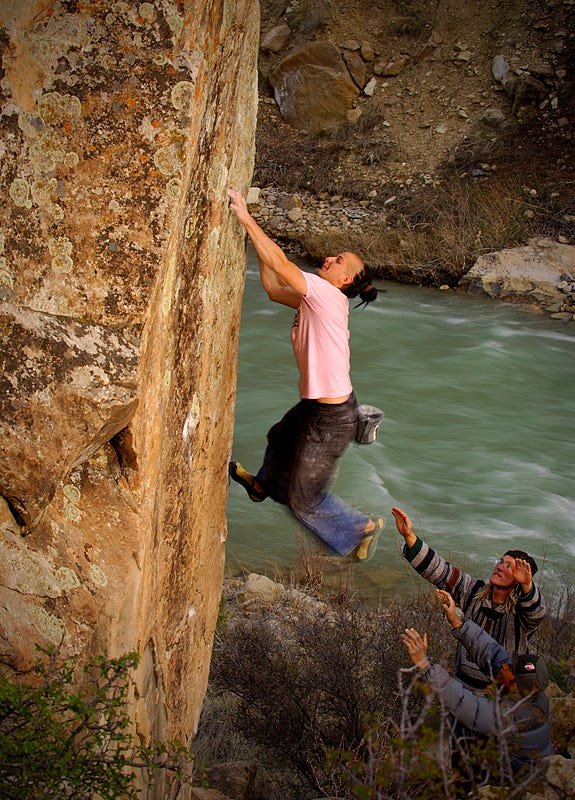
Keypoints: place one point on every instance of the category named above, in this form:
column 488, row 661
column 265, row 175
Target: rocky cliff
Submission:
column 121, row 275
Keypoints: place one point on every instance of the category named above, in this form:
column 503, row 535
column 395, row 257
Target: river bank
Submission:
column 540, row 273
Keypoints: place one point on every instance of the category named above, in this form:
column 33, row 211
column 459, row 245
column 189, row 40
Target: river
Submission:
column 477, row 444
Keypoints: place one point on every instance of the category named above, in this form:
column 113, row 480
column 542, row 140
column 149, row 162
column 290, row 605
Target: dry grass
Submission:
column 435, row 236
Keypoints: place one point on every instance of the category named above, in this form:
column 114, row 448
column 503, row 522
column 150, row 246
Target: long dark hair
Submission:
column 361, row 285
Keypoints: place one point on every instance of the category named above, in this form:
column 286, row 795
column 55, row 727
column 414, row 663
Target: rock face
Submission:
column 68, row 387
column 531, row 274
column 121, row 274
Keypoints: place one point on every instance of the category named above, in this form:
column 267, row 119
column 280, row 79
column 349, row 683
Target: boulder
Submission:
column 312, row 88
column 198, row 793
column 502, row 73
column 121, row 276
column 529, row 274
column 276, row 39
column 560, row 780
column 234, row 779
column 393, row 67
column 357, row 68
column 260, row 589
column 522, row 88
column 494, row 117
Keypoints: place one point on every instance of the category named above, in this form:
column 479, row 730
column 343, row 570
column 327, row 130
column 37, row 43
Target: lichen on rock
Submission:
column 120, row 122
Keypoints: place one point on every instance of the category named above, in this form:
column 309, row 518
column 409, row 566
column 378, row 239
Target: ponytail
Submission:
column 361, row 285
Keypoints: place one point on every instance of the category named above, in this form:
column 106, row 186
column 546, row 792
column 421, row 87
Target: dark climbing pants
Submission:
column 300, row 465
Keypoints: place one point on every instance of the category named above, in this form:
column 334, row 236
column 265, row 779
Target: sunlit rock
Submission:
column 121, row 276
column 529, row 274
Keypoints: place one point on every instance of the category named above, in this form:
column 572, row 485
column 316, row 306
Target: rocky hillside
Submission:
column 475, row 91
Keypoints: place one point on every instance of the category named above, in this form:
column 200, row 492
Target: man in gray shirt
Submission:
column 519, row 713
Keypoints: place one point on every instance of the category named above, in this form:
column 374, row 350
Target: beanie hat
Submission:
column 530, row 672
column 525, row 556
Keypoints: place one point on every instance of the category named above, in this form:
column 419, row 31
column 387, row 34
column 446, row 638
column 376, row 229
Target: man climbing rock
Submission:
column 303, row 449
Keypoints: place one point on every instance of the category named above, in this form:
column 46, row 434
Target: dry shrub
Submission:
column 304, row 162
column 319, row 574
column 375, row 152
column 317, row 690
column 303, row 677
column 434, row 238
column 464, row 219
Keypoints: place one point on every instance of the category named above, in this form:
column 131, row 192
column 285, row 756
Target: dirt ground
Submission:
column 430, row 116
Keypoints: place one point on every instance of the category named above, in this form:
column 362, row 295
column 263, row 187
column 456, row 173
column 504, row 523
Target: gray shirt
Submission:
column 525, row 722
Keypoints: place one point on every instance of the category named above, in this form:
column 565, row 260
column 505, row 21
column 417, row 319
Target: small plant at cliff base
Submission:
column 59, row 743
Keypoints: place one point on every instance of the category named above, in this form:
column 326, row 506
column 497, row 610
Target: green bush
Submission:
column 58, row 743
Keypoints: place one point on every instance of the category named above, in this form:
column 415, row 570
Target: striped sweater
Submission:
column 511, row 629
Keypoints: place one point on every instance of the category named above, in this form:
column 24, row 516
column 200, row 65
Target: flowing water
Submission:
column 477, row 444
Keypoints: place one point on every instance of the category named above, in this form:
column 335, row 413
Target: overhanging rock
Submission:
column 66, row 388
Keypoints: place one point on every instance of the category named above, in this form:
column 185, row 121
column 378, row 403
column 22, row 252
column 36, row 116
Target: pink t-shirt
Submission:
column 320, row 338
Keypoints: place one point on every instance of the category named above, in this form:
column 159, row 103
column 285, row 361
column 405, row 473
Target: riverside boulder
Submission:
column 530, row 274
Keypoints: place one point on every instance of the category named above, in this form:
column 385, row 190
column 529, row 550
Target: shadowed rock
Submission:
column 312, row 88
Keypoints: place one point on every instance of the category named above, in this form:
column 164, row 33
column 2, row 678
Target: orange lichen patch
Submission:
column 128, row 99
column 67, row 127
column 144, row 157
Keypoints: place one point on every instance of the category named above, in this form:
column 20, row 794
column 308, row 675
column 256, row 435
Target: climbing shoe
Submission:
column 368, row 545
column 247, row 480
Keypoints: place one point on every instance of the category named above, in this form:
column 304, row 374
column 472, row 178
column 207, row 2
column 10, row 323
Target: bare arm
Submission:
column 283, row 281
